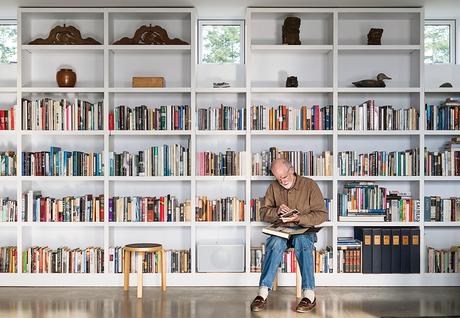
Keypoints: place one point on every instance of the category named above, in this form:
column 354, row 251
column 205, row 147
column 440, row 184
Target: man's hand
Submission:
column 283, row 209
column 294, row 218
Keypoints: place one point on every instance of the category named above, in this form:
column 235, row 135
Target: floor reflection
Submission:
column 222, row 302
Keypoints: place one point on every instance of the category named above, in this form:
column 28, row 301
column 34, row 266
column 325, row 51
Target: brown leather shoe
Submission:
column 258, row 304
column 305, row 305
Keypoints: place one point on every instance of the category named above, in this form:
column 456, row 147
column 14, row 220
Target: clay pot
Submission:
column 65, row 77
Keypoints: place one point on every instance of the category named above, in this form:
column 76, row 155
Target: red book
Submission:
column 111, row 121
column 162, row 209
column 150, row 208
column 42, row 210
column 101, row 208
column 176, row 120
column 12, row 117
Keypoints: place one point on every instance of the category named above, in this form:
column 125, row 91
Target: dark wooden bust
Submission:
column 374, row 37
column 291, row 31
column 148, row 35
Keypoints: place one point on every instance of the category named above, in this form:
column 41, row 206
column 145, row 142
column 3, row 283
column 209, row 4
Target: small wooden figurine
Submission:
column 291, row 81
column 446, row 84
column 291, row 31
column 374, row 37
column 379, row 82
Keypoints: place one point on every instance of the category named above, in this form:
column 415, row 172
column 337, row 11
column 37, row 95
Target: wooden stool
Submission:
column 298, row 281
column 140, row 249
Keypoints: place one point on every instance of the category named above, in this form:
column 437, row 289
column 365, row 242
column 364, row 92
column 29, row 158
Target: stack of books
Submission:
column 230, row 163
column 222, row 118
column 445, row 162
column 437, row 209
column 443, row 117
column 8, row 210
column 174, row 117
column 7, row 118
column 7, row 163
column 224, row 209
column 49, row 114
column 8, row 259
column 349, row 255
column 443, row 261
column 149, row 209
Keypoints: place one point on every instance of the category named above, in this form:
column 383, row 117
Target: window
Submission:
column 439, row 41
column 8, row 41
column 221, row 41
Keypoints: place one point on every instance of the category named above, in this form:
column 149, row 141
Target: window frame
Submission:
column 11, row 22
column 452, row 23
column 221, row 22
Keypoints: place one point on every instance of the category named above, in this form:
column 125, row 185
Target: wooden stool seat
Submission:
column 140, row 249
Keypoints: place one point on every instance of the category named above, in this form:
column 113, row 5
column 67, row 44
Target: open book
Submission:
column 287, row 232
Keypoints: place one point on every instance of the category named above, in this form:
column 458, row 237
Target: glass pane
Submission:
column 221, row 44
column 7, row 43
column 437, row 44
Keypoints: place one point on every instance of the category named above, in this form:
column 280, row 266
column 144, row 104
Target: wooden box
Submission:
column 150, row 81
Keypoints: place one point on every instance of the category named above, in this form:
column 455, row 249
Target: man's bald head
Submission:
column 283, row 171
column 279, row 165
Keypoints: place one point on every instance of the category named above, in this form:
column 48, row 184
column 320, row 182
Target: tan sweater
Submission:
column 304, row 196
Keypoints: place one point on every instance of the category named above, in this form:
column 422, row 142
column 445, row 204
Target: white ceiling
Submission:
column 220, row 8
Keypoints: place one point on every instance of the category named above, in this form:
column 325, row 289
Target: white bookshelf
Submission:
column 326, row 63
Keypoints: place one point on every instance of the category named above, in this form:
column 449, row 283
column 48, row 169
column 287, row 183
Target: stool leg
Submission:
column 298, row 281
column 126, row 269
column 275, row 282
column 140, row 259
column 163, row 270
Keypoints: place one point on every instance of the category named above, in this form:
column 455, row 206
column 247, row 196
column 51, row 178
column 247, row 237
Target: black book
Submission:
column 405, row 250
column 377, row 250
column 395, row 250
column 414, row 250
column 386, row 250
column 365, row 236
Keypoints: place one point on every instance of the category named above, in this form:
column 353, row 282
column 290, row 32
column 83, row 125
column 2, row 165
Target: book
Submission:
column 222, row 118
column 287, row 232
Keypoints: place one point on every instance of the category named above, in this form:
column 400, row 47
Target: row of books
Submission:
column 8, row 209
column 348, row 255
column 62, row 163
column 389, row 250
column 177, row 261
column 445, row 162
column 173, row 117
column 368, row 116
column 437, row 209
column 7, row 119
column 166, row 160
column 305, row 163
column 8, row 259
column 49, row 114
column 443, row 260
column 230, row 163
column 8, row 163
column 366, row 201
column 224, row 209
column 149, row 209
column 257, row 203
column 38, row 208
column 222, row 118
column 63, row 260
column 379, row 163
column 291, row 118
column 445, row 116
column 323, row 260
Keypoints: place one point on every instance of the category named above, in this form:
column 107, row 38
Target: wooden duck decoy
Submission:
column 379, row 82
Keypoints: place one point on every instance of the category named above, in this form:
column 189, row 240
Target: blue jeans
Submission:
column 303, row 245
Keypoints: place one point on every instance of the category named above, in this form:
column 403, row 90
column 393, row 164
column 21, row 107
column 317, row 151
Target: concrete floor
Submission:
column 222, row 302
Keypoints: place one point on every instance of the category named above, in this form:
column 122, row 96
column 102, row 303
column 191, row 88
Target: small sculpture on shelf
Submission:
column 379, row 82
column 291, row 31
column 374, row 37
column 291, row 81
column 446, row 84
column 65, row 77
column 148, row 35
column 220, row 85
column 65, row 35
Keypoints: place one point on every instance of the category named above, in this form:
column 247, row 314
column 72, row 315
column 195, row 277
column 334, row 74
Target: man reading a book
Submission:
column 289, row 192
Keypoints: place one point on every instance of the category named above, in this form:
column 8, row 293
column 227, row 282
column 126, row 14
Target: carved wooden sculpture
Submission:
column 150, row 35
column 65, row 35
column 291, row 31
column 291, row 81
column 379, row 82
column 374, row 37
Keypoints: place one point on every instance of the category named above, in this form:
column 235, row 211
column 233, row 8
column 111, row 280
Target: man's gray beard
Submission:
column 287, row 187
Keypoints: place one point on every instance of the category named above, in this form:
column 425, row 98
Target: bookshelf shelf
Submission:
column 442, row 90
column 257, row 82
column 441, row 224
column 150, row 224
column 291, row 132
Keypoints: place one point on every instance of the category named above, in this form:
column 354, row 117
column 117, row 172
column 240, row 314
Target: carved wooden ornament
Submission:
column 150, row 35
column 67, row 35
